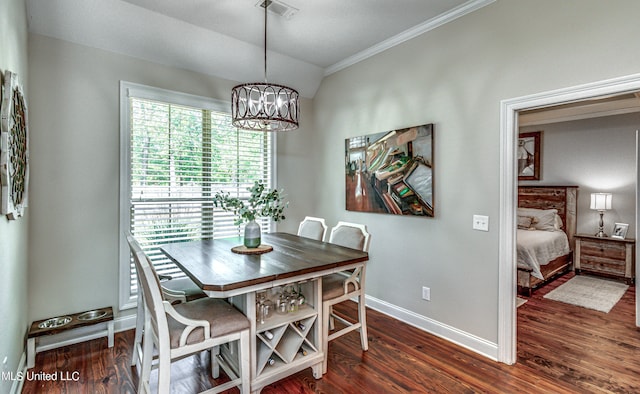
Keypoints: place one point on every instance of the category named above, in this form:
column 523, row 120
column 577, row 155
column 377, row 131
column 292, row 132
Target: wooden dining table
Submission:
column 284, row 342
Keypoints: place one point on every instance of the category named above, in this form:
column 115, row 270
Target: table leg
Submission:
column 110, row 333
column 215, row 365
column 317, row 370
column 31, row 353
column 249, row 309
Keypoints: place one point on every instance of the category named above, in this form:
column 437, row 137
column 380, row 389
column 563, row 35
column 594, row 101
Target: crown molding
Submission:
column 408, row 34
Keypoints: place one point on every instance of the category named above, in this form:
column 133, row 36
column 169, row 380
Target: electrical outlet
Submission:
column 426, row 293
column 481, row 222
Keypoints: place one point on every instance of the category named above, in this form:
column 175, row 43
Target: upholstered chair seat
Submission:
column 176, row 291
column 333, row 286
column 228, row 320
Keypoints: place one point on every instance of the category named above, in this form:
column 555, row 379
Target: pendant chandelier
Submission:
column 264, row 106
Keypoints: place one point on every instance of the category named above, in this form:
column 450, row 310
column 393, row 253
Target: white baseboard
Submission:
column 124, row 323
column 16, row 387
column 452, row 334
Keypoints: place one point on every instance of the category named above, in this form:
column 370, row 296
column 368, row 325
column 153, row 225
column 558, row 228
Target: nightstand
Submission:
column 611, row 257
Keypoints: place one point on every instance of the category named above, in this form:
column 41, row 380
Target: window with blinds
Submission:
column 179, row 156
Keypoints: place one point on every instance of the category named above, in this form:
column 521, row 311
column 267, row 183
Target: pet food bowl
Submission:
column 55, row 322
column 92, row 315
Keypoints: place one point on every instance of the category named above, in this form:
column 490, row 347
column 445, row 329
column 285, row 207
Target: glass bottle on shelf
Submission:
column 282, row 303
column 301, row 298
column 267, row 308
column 260, row 310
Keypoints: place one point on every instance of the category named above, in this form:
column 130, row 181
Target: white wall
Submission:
column 455, row 77
column 14, row 233
column 598, row 155
column 75, row 167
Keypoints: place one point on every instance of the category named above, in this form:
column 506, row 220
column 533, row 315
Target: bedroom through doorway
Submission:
column 578, row 100
column 591, row 151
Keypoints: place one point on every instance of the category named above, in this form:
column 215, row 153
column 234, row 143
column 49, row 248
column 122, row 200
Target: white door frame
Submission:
column 509, row 109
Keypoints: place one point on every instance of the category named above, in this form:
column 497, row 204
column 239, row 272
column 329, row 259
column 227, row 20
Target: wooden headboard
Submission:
column 562, row 198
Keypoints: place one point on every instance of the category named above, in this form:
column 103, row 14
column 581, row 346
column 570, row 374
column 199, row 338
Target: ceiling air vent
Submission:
column 278, row 8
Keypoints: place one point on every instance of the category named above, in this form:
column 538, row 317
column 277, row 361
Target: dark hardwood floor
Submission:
column 561, row 349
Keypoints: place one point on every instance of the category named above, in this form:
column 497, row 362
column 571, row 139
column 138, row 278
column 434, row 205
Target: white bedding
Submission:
column 536, row 248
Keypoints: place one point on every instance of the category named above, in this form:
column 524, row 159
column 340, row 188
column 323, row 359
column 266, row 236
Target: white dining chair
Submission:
column 312, row 227
column 173, row 290
column 177, row 331
column 342, row 286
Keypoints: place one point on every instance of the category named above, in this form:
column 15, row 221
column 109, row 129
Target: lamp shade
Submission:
column 601, row 201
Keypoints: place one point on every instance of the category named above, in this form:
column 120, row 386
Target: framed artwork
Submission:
column 14, row 143
column 529, row 156
column 620, row 230
column 391, row 172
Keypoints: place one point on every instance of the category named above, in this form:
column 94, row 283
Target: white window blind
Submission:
column 179, row 157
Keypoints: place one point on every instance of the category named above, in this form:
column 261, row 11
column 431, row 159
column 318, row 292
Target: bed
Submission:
column 546, row 217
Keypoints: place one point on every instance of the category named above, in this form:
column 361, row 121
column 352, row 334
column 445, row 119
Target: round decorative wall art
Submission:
column 14, row 148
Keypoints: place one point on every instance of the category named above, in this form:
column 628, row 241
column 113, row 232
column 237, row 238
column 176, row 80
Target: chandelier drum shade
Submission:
column 264, row 106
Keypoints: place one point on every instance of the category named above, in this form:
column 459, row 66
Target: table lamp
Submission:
column 601, row 202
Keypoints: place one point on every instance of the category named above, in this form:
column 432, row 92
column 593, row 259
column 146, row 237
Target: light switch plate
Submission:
column 481, row 222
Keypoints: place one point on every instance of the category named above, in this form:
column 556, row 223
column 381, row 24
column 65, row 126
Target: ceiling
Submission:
column 225, row 38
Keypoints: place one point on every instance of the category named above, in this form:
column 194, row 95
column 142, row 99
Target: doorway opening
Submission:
column 509, row 117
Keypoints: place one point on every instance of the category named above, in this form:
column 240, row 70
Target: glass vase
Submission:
column 252, row 234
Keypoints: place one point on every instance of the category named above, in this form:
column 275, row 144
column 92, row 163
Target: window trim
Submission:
column 127, row 300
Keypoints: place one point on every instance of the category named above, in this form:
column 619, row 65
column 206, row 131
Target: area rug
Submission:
column 520, row 301
column 589, row 292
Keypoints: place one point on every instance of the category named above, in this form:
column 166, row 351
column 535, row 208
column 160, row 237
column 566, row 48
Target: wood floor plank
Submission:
column 561, row 349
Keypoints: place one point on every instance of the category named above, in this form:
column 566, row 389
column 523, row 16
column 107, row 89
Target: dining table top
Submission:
column 214, row 267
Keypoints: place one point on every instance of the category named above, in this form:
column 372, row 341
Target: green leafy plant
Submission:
column 261, row 203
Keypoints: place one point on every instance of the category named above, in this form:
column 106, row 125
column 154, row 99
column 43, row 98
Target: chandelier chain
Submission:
column 265, row 41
